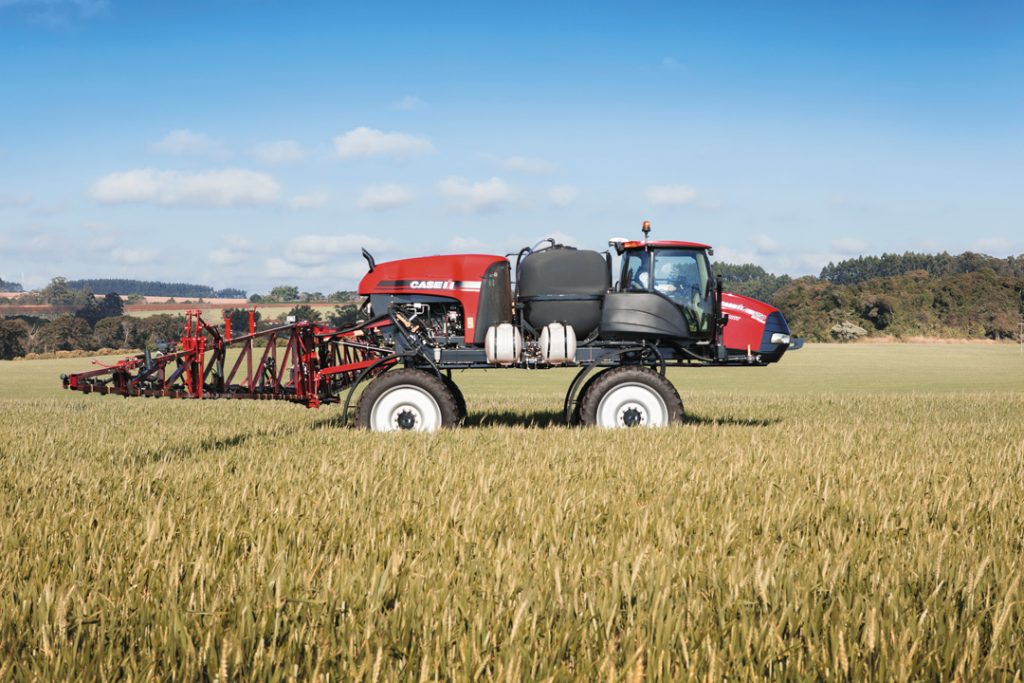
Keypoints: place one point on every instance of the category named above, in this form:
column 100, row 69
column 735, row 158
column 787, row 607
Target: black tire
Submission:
column 575, row 419
column 630, row 396
column 460, row 400
column 407, row 399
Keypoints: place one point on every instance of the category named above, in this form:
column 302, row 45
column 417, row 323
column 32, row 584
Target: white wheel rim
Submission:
column 632, row 405
column 405, row 408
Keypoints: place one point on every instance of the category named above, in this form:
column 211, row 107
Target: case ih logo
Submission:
column 432, row 284
column 453, row 285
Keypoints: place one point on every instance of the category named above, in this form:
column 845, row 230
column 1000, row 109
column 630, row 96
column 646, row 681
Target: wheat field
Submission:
column 854, row 512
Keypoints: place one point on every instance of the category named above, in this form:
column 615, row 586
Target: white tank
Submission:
column 503, row 344
column 557, row 344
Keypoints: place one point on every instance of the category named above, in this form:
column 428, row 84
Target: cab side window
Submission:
column 637, row 276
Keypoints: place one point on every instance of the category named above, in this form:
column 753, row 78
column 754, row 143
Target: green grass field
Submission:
column 853, row 512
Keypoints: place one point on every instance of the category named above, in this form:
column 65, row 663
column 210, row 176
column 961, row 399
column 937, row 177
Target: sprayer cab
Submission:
column 656, row 272
column 669, row 272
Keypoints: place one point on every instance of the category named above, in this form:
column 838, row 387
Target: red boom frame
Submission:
column 300, row 362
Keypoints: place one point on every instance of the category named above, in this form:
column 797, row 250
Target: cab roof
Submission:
column 639, row 244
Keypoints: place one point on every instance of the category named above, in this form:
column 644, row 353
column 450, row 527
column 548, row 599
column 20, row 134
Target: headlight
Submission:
column 779, row 338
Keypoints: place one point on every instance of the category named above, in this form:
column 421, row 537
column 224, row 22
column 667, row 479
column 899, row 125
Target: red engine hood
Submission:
column 747, row 320
column 429, row 274
column 457, row 276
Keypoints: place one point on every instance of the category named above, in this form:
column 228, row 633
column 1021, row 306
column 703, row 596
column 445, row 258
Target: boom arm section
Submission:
column 301, row 362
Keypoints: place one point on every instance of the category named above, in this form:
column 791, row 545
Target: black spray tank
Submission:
column 565, row 285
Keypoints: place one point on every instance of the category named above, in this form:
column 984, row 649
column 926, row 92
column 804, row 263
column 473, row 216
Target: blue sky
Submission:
column 251, row 143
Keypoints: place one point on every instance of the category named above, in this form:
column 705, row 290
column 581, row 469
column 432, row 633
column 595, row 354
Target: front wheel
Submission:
column 630, row 396
column 407, row 400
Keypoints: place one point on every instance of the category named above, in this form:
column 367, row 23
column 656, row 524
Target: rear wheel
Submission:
column 630, row 396
column 407, row 400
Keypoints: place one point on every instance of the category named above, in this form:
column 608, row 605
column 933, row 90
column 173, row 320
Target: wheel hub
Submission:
column 406, row 419
column 631, row 417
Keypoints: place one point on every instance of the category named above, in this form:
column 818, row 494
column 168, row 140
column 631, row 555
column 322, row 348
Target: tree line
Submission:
column 10, row 286
column 128, row 287
column 970, row 295
column 101, row 324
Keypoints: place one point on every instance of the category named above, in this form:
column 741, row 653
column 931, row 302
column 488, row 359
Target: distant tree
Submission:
column 10, row 286
column 284, row 293
column 57, row 293
column 65, row 333
column 256, row 299
column 150, row 288
column 343, row 315
column 750, row 280
column 14, row 338
column 113, row 332
column 112, row 305
column 95, row 310
column 341, row 297
column 305, row 312
column 159, row 329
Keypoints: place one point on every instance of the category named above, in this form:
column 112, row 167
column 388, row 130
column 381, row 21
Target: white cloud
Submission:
column 368, row 142
column 471, row 197
column 183, row 142
column 387, row 196
column 726, row 254
column 313, row 200
column 236, row 249
column 130, row 256
column 848, row 245
column 563, row 195
column 409, row 102
column 531, row 166
column 230, row 187
column 279, row 153
column 317, row 249
column 671, row 194
column 765, row 244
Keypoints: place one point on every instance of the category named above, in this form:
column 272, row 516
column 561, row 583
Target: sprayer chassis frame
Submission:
column 312, row 365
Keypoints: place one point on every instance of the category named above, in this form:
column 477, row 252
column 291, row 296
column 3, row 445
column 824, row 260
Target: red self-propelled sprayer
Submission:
column 425, row 317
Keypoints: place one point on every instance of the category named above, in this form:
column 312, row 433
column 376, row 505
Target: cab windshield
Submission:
column 681, row 275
